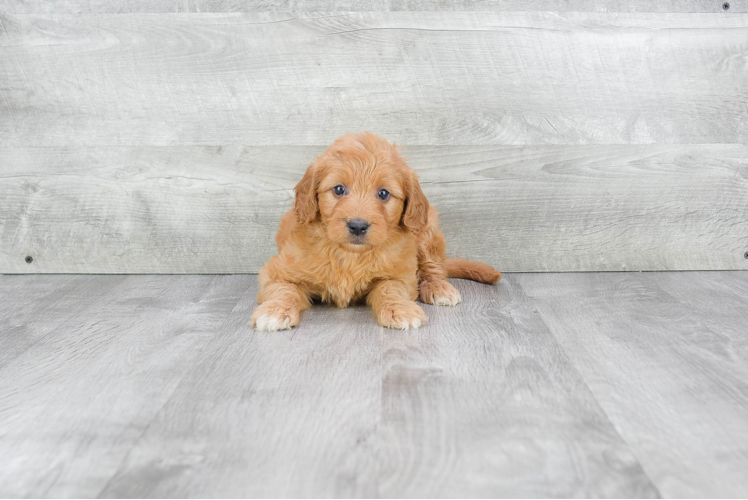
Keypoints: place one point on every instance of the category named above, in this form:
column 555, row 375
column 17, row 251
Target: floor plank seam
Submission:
column 221, row 329
column 591, row 391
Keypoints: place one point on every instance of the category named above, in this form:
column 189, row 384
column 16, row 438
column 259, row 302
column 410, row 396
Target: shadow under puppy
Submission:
column 360, row 227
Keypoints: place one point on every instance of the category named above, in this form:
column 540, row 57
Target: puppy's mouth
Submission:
column 357, row 244
column 358, row 240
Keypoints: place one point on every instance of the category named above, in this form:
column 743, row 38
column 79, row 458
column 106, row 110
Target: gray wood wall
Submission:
column 166, row 136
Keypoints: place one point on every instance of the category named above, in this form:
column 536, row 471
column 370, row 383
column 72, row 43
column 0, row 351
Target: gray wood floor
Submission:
column 563, row 385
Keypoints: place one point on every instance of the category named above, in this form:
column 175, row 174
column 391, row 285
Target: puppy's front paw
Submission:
column 439, row 293
column 401, row 315
column 271, row 317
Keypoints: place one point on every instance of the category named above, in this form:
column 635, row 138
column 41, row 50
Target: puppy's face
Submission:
column 361, row 202
column 362, row 191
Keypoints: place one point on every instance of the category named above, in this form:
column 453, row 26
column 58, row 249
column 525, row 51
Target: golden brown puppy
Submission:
column 360, row 228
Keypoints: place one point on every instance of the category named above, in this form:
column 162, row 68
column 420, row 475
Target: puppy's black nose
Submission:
column 357, row 226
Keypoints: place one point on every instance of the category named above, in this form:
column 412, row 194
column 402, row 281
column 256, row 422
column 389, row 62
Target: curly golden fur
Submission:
column 360, row 228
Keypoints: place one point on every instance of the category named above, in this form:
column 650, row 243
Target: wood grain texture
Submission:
column 429, row 78
column 216, row 209
column 143, row 142
column 193, row 6
column 482, row 402
column 280, row 414
column 573, row 385
column 338, row 407
column 74, row 401
column 719, row 301
column 37, row 305
column 671, row 376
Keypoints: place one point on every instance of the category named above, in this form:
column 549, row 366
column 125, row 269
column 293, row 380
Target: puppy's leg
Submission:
column 393, row 303
column 432, row 275
column 280, row 308
column 434, row 287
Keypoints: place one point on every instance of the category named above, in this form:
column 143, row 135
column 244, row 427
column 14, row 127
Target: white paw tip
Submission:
column 448, row 301
column 272, row 324
column 408, row 325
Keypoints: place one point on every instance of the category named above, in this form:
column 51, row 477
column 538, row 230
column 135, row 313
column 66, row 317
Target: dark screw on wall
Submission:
column 725, row 6
column 29, row 259
column 745, row 255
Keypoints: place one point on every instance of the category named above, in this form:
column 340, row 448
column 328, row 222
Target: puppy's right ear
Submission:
column 305, row 203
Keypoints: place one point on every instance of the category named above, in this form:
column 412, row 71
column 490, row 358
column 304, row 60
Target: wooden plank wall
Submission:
column 166, row 136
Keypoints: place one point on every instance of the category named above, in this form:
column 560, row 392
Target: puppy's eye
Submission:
column 383, row 195
column 339, row 190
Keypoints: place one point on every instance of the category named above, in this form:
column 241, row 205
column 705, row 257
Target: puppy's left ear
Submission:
column 416, row 213
column 305, row 203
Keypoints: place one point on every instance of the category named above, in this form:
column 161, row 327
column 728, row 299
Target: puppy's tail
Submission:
column 469, row 270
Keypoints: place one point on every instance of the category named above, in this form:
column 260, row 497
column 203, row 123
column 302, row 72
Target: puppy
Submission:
column 360, row 228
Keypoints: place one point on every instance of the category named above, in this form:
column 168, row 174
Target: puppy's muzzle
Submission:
column 358, row 227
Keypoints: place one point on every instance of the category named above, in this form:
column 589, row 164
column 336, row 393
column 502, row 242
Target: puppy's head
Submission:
column 362, row 190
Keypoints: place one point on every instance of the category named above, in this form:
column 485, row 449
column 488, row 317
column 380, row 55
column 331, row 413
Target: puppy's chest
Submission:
column 347, row 279
column 340, row 277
